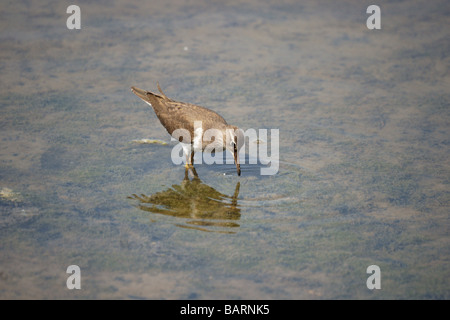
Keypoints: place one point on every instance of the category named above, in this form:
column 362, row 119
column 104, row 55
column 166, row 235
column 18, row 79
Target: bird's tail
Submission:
column 162, row 93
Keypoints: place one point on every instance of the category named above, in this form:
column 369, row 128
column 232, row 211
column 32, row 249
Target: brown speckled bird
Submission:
column 175, row 115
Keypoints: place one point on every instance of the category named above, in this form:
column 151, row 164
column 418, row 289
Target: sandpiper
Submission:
column 175, row 115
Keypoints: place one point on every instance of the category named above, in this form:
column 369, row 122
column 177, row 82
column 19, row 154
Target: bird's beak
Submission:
column 140, row 93
column 236, row 160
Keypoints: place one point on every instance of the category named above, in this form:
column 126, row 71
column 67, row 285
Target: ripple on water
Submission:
column 199, row 205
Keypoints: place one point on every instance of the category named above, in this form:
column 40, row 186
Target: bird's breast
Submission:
column 209, row 142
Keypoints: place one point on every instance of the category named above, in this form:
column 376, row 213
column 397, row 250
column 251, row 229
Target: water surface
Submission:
column 363, row 117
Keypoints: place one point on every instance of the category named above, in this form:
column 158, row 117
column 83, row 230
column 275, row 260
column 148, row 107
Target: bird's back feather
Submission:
column 175, row 115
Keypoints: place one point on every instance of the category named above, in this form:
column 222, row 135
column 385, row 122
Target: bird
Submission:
column 175, row 115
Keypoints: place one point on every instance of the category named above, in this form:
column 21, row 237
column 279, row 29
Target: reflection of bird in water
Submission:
column 175, row 115
column 192, row 199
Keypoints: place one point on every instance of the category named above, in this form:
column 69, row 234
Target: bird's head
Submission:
column 234, row 142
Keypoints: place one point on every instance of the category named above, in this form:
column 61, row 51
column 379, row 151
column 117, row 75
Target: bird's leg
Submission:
column 194, row 172
column 189, row 160
column 187, row 150
column 186, row 174
column 192, row 158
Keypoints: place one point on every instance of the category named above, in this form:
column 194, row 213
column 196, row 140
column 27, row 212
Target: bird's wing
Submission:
column 175, row 115
column 183, row 115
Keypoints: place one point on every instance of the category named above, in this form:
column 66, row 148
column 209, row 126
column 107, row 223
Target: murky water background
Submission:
column 364, row 149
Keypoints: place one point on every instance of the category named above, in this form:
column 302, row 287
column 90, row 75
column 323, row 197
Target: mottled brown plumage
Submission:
column 175, row 115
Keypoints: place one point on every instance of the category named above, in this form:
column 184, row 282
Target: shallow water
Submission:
column 363, row 179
